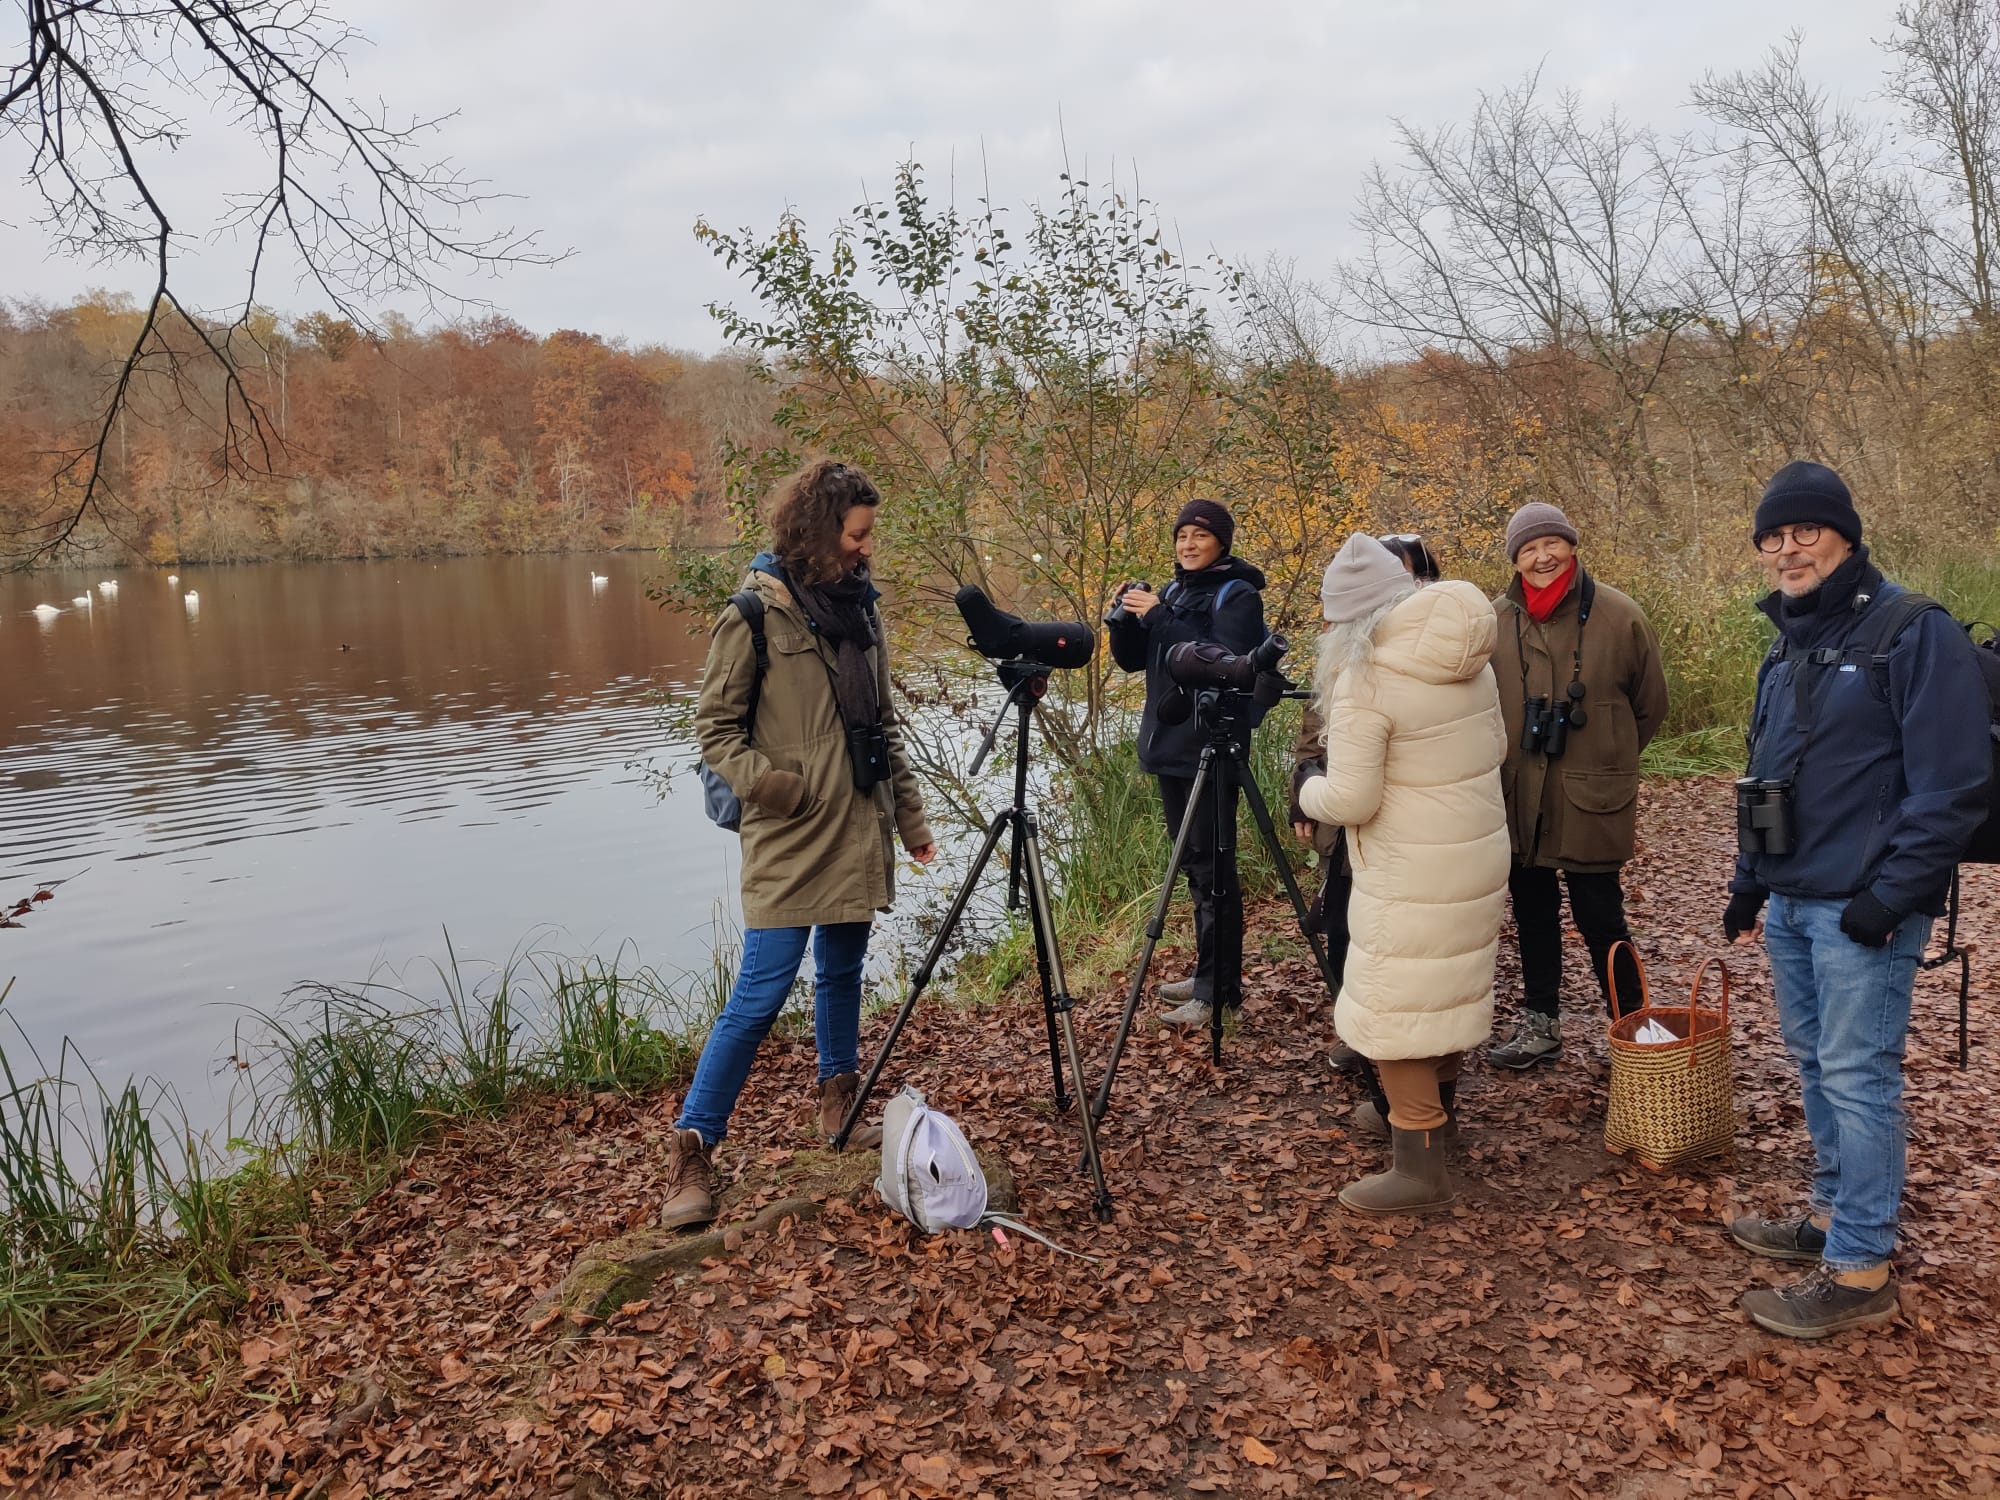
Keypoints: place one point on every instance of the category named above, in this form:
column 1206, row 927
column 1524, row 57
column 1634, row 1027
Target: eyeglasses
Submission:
column 1802, row 536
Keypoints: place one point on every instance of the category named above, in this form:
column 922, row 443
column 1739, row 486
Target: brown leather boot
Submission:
column 836, row 1098
column 690, row 1182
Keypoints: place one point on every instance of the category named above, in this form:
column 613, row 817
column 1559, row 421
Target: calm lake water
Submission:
column 319, row 770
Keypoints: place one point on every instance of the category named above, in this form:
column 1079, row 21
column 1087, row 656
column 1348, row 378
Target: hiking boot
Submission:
column 1194, row 1014
column 1370, row 1121
column 1177, row 991
column 1415, row 1183
column 1536, row 1038
column 836, row 1098
column 690, row 1182
column 1818, row 1307
column 1781, row 1239
column 1344, row 1059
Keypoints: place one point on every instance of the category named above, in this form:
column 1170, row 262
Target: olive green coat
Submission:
column 815, row 850
column 1579, row 811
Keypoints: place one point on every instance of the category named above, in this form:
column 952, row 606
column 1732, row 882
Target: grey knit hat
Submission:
column 1536, row 520
column 1363, row 576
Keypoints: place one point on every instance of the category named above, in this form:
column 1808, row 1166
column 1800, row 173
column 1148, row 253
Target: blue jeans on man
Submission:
column 764, row 978
column 1845, row 1011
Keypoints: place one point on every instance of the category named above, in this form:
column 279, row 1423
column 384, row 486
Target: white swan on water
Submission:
column 192, row 600
column 173, row 578
column 107, row 588
column 598, row 580
column 46, row 611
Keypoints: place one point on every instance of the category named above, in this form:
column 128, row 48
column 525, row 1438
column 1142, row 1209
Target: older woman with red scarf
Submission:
column 1583, row 691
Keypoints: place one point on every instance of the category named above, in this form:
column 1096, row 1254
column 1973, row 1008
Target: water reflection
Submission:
column 271, row 773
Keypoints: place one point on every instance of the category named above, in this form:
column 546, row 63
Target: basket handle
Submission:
column 1694, row 995
column 1611, row 978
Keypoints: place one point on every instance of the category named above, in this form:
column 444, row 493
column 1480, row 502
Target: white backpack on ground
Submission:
column 929, row 1173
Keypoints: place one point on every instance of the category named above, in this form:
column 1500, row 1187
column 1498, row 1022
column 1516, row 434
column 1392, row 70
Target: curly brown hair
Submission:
column 806, row 522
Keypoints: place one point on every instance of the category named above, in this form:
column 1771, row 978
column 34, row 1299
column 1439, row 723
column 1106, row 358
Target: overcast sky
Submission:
column 619, row 122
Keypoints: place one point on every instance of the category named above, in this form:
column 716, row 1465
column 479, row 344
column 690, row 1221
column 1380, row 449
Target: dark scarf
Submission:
column 1828, row 608
column 838, row 608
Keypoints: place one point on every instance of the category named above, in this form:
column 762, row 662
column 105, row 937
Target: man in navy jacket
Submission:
column 1881, row 754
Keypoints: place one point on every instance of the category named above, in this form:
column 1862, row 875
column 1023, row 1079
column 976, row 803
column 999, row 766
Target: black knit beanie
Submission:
column 1802, row 493
column 1212, row 518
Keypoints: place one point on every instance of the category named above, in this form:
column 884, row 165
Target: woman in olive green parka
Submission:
column 818, row 843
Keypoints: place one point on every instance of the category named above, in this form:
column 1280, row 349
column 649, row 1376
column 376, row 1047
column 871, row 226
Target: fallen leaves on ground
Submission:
column 1569, row 1327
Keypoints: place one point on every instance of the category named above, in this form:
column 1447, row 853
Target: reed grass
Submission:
column 120, row 1225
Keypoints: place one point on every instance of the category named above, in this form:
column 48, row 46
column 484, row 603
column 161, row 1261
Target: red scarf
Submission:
column 1541, row 602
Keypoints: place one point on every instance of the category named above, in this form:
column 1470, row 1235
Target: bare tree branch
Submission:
column 98, row 88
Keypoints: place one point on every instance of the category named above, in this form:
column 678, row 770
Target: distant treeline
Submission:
column 468, row 439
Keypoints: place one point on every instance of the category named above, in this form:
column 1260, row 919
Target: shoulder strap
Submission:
column 1175, row 594
column 1881, row 625
column 1870, row 640
column 750, row 605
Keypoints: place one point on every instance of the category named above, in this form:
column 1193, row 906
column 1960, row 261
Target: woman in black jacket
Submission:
column 1214, row 597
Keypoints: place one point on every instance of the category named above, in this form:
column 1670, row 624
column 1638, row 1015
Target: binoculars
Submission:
column 1545, row 727
column 1119, row 613
column 1765, row 818
column 868, row 753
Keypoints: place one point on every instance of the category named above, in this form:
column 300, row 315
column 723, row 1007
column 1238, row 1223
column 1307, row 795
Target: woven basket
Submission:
column 1671, row 1101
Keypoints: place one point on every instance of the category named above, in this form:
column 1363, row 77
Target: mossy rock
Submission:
column 632, row 1266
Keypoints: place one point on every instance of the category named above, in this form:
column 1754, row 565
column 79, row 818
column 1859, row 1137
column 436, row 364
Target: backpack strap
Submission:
column 1880, row 628
column 1867, row 645
column 750, row 605
column 1174, row 594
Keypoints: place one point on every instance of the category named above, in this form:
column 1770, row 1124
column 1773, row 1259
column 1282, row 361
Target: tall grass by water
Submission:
column 122, row 1226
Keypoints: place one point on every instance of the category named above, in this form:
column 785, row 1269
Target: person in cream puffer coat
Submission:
column 1414, row 745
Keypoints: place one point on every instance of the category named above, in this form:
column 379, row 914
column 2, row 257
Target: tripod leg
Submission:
column 1047, row 964
column 1261, row 811
column 924, row 971
column 1156, row 926
column 1060, row 1005
column 1964, row 975
column 1226, row 895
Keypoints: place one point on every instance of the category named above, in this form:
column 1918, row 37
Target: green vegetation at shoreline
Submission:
column 124, row 1229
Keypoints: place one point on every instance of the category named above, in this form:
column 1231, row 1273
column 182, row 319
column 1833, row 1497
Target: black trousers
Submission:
column 1329, row 913
column 1198, row 864
column 1597, row 901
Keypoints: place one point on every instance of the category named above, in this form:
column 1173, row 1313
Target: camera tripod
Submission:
column 1025, row 681
column 1223, row 770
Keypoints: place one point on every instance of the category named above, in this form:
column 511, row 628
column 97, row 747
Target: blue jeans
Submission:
column 1845, row 1010
column 771, row 959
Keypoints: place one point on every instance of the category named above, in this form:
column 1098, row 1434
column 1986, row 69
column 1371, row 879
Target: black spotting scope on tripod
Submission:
column 1227, row 694
column 1023, row 654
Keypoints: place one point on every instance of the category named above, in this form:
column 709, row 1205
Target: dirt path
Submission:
column 1570, row 1327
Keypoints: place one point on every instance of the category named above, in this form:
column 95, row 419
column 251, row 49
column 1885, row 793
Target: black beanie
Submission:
column 1212, row 518
column 1802, row 493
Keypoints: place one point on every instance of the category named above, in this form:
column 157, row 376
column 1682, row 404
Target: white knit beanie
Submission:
column 1363, row 576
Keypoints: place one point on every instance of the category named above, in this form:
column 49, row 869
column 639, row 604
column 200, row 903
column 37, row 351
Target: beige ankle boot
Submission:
column 690, row 1182
column 836, row 1098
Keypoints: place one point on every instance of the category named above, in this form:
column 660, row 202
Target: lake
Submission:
column 316, row 770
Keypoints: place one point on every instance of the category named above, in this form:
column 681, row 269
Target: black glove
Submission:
column 1741, row 914
column 1868, row 921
